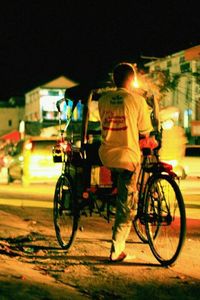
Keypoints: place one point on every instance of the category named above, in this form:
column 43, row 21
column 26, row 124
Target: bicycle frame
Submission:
column 150, row 165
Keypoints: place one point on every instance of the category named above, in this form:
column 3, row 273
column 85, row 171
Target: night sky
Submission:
column 83, row 40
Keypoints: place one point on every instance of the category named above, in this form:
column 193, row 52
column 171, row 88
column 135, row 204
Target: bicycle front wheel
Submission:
column 165, row 215
column 65, row 212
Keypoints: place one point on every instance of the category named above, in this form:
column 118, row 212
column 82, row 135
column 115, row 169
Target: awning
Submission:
column 13, row 136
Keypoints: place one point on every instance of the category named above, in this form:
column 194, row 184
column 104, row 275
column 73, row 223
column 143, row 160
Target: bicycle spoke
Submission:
column 139, row 226
column 165, row 214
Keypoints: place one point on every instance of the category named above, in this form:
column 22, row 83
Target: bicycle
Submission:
column 160, row 218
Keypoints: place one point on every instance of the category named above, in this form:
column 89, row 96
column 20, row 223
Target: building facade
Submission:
column 40, row 103
column 184, row 67
column 37, row 107
column 11, row 116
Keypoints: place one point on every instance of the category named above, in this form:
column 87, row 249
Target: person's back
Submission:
column 123, row 115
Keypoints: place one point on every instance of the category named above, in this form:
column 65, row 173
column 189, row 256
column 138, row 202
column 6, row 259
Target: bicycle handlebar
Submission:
column 59, row 102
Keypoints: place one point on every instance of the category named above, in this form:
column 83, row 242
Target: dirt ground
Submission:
column 33, row 266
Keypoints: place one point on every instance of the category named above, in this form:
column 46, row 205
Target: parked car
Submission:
column 31, row 161
column 189, row 165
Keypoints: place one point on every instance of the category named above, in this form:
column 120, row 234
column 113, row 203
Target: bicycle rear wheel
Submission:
column 140, row 229
column 65, row 212
column 139, row 223
column 165, row 215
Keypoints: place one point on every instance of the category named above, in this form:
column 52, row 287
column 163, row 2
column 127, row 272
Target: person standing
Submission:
column 124, row 114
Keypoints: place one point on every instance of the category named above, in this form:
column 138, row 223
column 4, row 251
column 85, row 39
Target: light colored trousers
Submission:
column 127, row 191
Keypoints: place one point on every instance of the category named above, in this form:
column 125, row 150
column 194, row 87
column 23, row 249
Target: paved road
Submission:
column 41, row 195
column 188, row 263
column 36, row 195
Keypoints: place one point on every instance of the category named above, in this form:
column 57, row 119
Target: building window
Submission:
column 9, row 123
column 167, row 72
column 53, row 93
column 157, row 68
column 169, row 63
column 185, row 67
column 182, row 59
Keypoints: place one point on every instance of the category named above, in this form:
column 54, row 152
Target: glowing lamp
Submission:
column 135, row 83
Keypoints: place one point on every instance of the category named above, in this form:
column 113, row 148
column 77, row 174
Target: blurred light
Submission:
column 169, row 113
column 173, row 162
column 168, row 124
column 135, row 81
column 187, row 169
column 45, row 172
column 21, row 158
column 6, row 160
column 43, row 166
column 28, row 146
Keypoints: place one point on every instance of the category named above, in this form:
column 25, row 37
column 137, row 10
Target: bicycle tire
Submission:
column 139, row 224
column 65, row 212
column 140, row 229
column 165, row 210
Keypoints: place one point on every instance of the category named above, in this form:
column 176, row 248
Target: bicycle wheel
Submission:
column 139, row 224
column 165, row 217
column 65, row 212
column 140, row 229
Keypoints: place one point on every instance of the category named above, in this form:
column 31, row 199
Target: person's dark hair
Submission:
column 121, row 73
